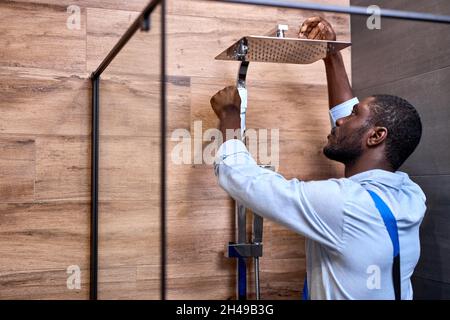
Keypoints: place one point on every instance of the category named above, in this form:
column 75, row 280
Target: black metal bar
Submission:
column 94, row 190
column 126, row 37
column 146, row 24
column 163, row 150
column 355, row 10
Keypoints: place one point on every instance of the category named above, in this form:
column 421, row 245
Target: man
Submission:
column 350, row 241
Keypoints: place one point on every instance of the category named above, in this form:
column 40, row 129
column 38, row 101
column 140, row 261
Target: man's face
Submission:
column 346, row 142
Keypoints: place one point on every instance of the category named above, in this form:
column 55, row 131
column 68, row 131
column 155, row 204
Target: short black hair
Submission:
column 403, row 123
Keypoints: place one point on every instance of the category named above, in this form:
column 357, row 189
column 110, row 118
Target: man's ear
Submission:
column 377, row 136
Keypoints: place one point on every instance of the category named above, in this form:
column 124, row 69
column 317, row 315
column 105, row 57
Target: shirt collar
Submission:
column 390, row 179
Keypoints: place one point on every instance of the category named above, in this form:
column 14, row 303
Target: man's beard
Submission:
column 346, row 150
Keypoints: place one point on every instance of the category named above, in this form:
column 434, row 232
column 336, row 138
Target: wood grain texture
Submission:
column 46, row 100
column 131, row 282
column 46, row 284
column 293, row 18
column 37, row 36
column 36, row 236
column 17, row 163
column 130, row 168
column 118, row 247
column 130, row 105
column 130, row 5
column 62, row 168
column 141, row 55
column 39, row 242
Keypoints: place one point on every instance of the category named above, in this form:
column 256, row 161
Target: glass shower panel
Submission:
column 130, row 165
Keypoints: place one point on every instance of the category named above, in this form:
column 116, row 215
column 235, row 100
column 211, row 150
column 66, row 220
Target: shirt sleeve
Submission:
column 342, row 110
column 313, row 209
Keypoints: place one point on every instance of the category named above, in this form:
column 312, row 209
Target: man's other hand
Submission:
column 226, row 101
column 227, row 105
column 317, row 28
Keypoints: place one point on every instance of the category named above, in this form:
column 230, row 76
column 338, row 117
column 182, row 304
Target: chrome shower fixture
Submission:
column 280, row 49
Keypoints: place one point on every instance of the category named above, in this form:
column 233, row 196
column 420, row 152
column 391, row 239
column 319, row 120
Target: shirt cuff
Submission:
column 228, row 148
column 236, row 152
column 342, row 110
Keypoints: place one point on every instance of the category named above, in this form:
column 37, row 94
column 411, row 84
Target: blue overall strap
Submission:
column 305, row 289
column 242, row 279
column 391, row 226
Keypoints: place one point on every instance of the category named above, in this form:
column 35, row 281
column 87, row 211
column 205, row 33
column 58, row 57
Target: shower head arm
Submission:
column 242, row 89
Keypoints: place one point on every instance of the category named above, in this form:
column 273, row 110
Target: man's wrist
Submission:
column 231, row 124
column 332, row 58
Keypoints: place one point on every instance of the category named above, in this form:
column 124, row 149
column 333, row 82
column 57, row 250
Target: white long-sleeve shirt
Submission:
column 348, row 249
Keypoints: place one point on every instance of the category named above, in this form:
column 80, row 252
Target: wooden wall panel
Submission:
column 43, row 102
column 17, row 163
column 141, row 282
column 129, row 106
column 131, row 5
column 39, row 241
column 41, row 284
column 141, row 54
column 119, row 246
column 37, row 36
column 43, row 235
column 129, row 168
column 62, row 168
column 46, row 99
column 44, row 113
column 129, row 261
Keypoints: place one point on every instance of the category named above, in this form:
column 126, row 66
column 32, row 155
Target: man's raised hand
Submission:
column 317, row 28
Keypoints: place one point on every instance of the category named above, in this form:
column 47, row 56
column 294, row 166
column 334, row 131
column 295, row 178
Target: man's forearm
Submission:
column 229, row 131
column 339, row 89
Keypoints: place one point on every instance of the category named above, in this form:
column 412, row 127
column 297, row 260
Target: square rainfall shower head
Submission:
column 280, row 50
